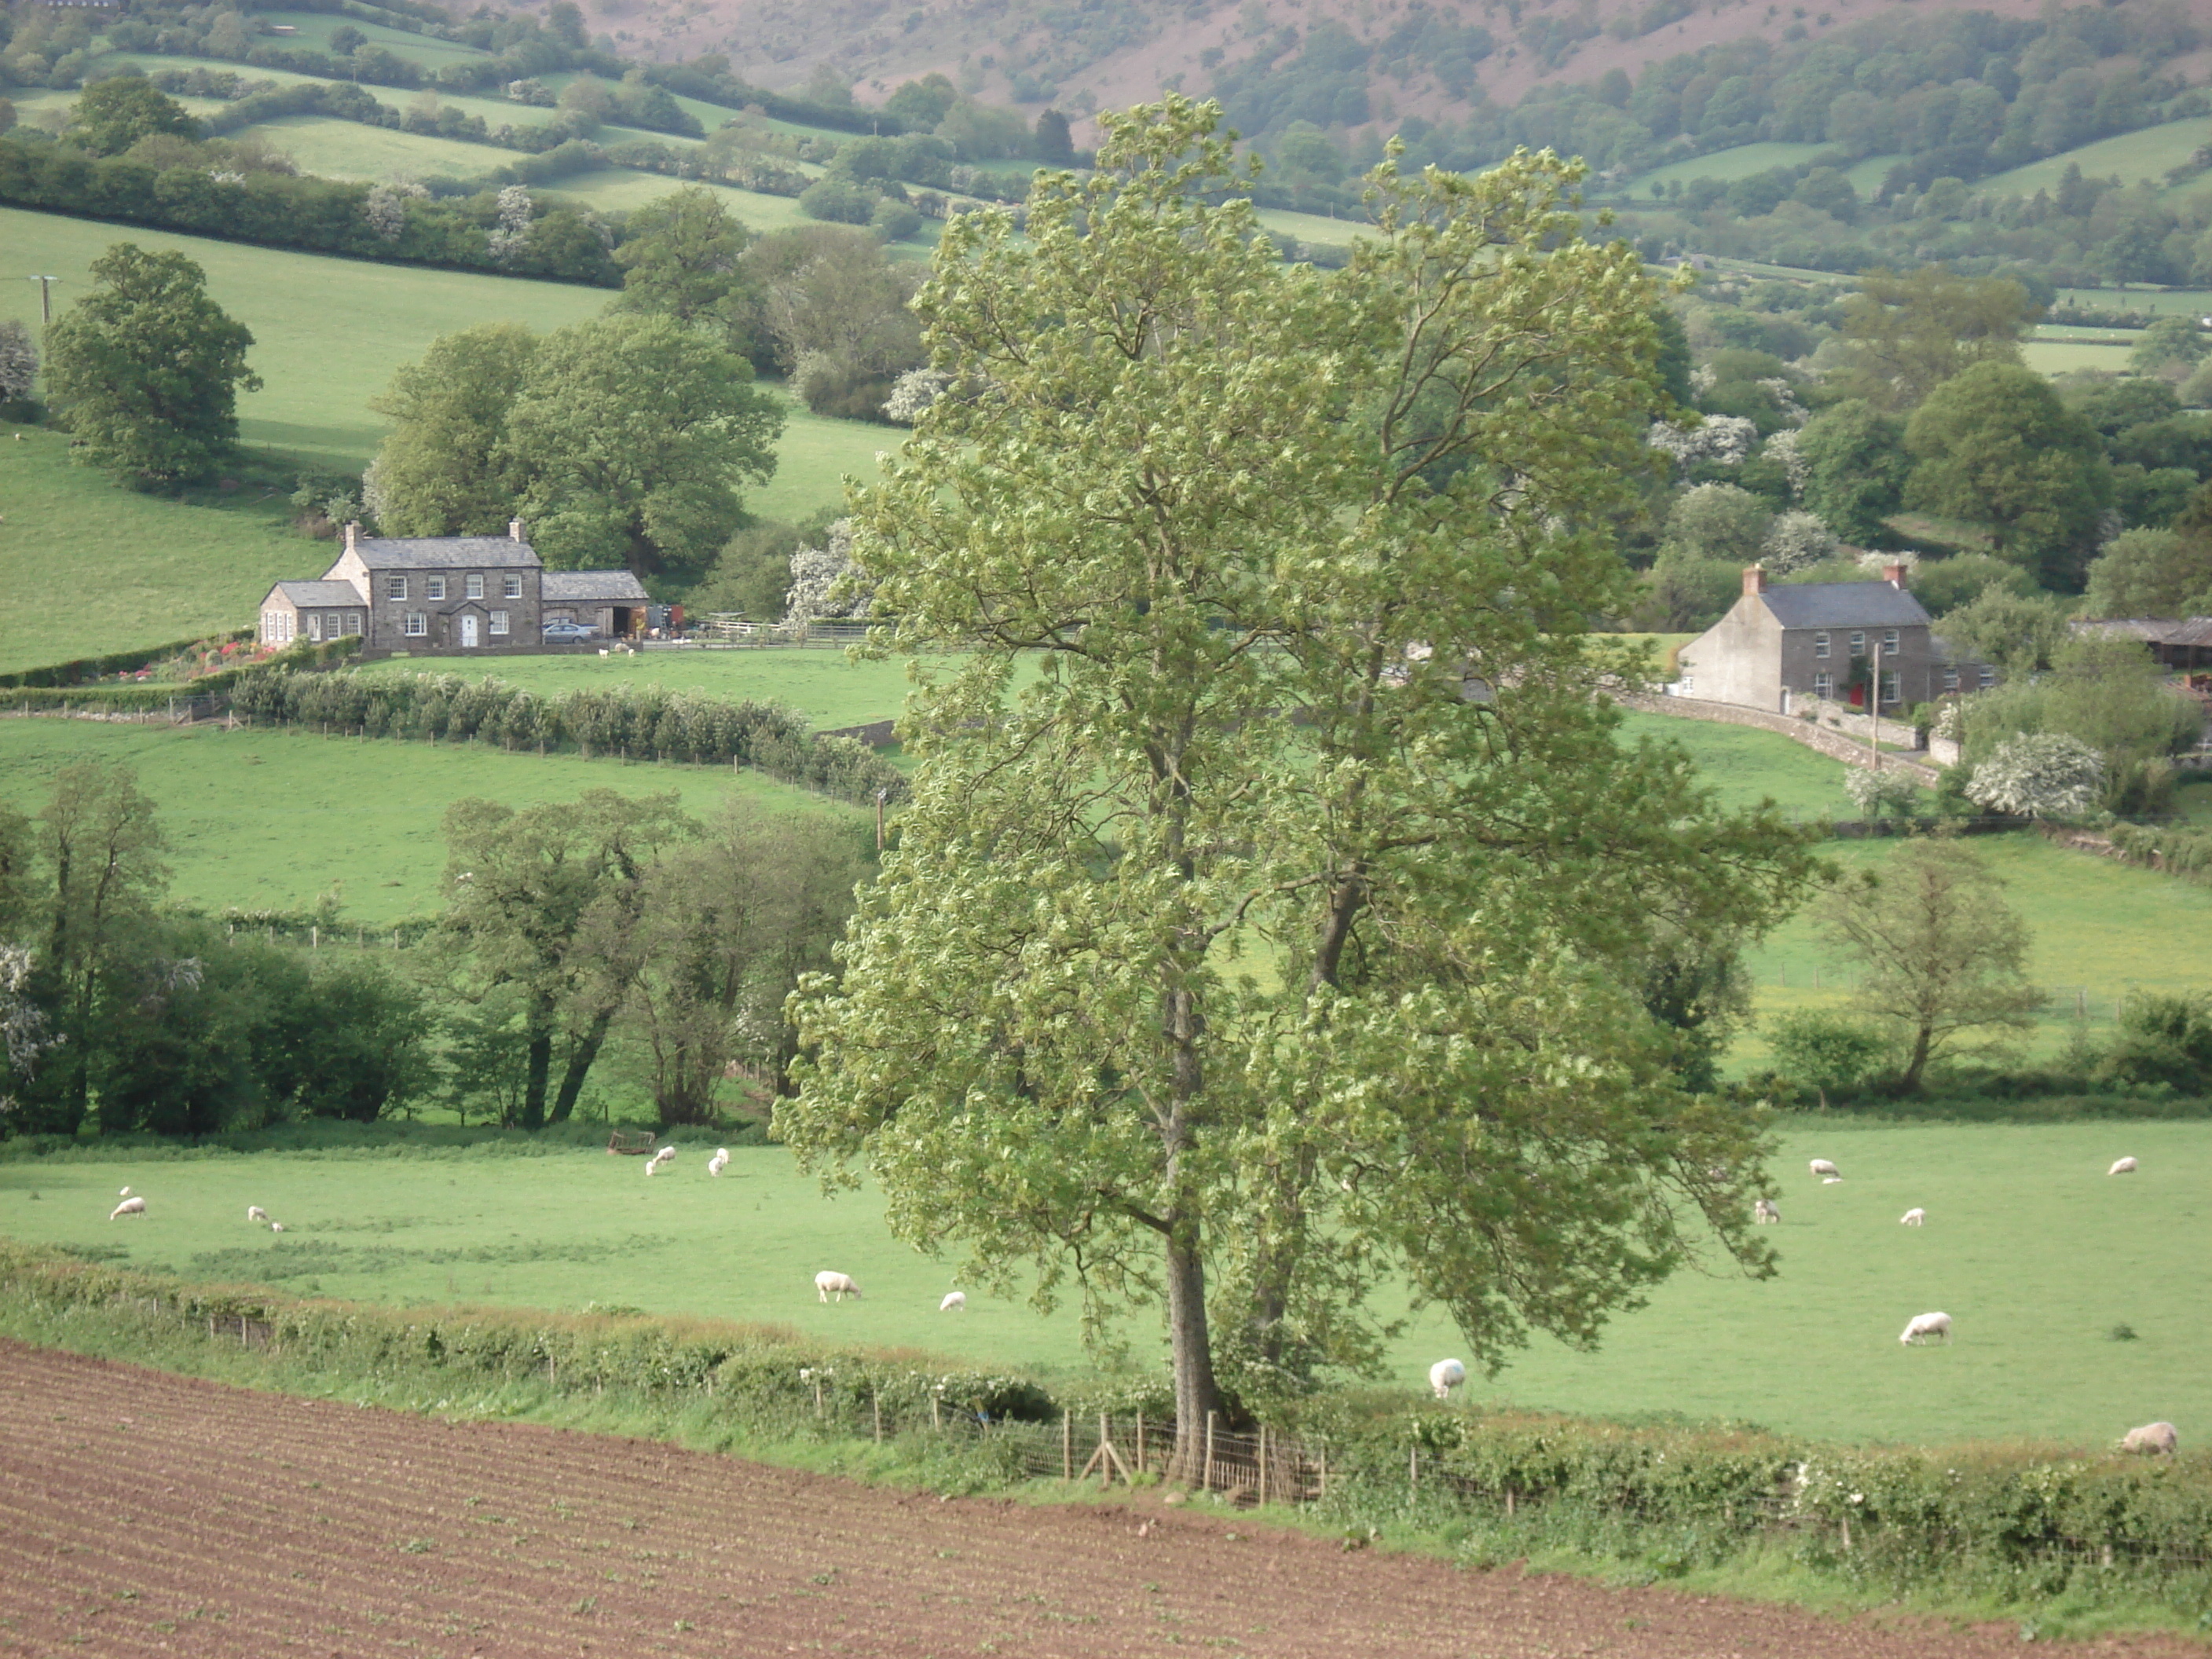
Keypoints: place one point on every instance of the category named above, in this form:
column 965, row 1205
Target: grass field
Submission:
column 265, row 819
column 2052, row 357
column 2187, row 302
column 2029, row 1246
column 1746, row 765
column 2147, row 153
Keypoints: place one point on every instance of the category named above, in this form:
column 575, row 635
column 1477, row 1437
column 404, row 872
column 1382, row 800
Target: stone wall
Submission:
column 1825, row 739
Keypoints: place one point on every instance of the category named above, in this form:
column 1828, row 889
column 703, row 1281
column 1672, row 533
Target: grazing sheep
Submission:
column 953, row 1303
column 842, row 1284
column 128, row 1206
column 666, row 1154
column 2123, row 1166
column 1445, row 1375
column 1765, row 1212
column 275, row 1226
column 125, row 1193
column 1822, row 1167
column 720, row 1161
column 1926, row 1325
column 2154, row 1438
column 1831, row 1181
column 255, row 1213
column 1912, row 1217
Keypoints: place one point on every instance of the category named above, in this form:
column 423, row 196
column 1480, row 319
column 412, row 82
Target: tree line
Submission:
column 607, row 933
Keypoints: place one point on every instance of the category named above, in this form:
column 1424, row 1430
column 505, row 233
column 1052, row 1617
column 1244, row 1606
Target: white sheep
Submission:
column 1764, row 1212
column 275, row 1226
column 2154, row 1438
column 1445, row 1375
column 2123, row 1166
column 720, row 1161
column 125, row 1193
column 1912, row 1217
column 666, row 1154
column 1831, row 1181
column 128, row 1206
column 1822, row 1167
column 842, row 1284
column 1923, row 1326
column 953, row 1303
column 255, row 1213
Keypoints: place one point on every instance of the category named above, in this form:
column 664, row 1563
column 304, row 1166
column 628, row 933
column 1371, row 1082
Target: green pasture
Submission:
column 2029, row 1246
column 265, row 819
column 348, row 149
column 86, row 568
column 2148, row 153
column 622, row 190
column 2056, row 357
column 1313, row 227
column 2187, row 302
column 2071, row 334
column 823, row 685
column 316, row 27
column 1745, row 765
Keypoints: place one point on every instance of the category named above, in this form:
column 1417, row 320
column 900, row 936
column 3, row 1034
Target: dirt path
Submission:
column 146, row 1513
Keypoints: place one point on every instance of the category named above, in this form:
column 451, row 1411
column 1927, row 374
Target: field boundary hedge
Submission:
column 2025, row 1521
column 79, row 670
column 635, row 723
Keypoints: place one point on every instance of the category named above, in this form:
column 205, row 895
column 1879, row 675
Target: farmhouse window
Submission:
column 1889, row 640
column 1950, row 679
column 499, row 622
column 1891, row 691
column 417, row 624
column 510, row 587
column 1689, row 683
column 473, row 586
column 353, row 622
column 395, row 587
column 1988, row 679
column 1820, row 647
column 1858, row 645
column 315, row 625
column 1824, row 685
column 434, row 587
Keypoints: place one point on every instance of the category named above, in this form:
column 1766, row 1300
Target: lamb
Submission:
column 125, row 1193
column 255, row 1213
column 1822, row 1167
column 1831, row 1181
column 1445, row 1375
column 1765, row 1212
column 2123, row 1166
column 1926, row 1325
column 842, row 1284
column 2153, row 1439
column 1912, row 1217
column 275, row 1226
column 666, row 1154
column 720, row 1161
column 953, row 1303
column 128, row 1206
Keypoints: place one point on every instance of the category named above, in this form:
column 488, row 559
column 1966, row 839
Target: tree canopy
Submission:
column 1908, row 334
column 1290, row 927
column 113, row 114
column 444, row 468
column 684, row 257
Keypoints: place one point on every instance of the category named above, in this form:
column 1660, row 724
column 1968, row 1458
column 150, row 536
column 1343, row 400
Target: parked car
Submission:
column 567, row 633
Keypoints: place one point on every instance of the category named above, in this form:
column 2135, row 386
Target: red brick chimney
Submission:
column 1894, row 574
column 1754, row 579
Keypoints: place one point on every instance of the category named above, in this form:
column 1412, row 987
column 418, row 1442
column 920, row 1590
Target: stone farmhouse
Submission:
column 1784, row 647
column 447, row 593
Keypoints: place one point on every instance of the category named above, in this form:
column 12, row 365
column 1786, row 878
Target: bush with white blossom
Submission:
column 2045, row 775
column 913, row 392
column 1887, row 793
column 826, row 583
column 1796, row 541
column 1724, row 439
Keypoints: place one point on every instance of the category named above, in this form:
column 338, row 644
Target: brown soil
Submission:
column 142, row 1512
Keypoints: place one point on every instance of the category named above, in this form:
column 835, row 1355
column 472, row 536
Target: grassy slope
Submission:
column 2051, row 357
column 1745, row 765
column 271, row 819
column 2029, row 1247
column 2147, row 153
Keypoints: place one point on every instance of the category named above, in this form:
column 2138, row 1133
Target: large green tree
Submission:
column 1289, row 927
column 1856, row 466
column 116, row 113
column 444, row 468
column 682, row 257
column 145, row 371
column 1994, row 446
column 1905, row 335
column 636, row 435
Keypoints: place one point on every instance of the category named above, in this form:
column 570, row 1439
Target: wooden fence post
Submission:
column 1413, row 1474
column 1206, row 1480
column 1324, row 1468
column 1263, row 1466
column 1068, row 1445
column 1141, row 1442
column 876, row 1405
column 933, row 1421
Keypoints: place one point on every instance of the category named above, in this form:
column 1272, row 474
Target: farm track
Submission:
column 145, row 1513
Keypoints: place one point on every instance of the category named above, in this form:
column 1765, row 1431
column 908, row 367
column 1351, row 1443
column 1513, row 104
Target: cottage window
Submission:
column 1989, row 677
column 1858, row 645
column 1820, row 647
column 434, row 587
column 417, row 624
column 395, row 587
column 1950, row 679
column 499, row 622
column 315, row 626
column 1824, row 685
column 1889, row 640
column 473, row 586
column 1689, row 684
column 510, row 587
column 353, row 622
column 1891, row 690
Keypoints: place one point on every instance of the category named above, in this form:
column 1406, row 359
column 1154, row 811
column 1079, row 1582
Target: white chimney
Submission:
column 514, row 530
column 353, row 533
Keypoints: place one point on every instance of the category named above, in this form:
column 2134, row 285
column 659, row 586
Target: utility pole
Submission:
column 45, row 298
column 882, row 796
column 1874, row 711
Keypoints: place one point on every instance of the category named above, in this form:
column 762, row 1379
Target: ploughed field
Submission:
column 2033, row 1249
column 143, row 1513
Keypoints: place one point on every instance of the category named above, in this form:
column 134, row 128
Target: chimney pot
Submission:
column 352, row 533
column 1754, row 579
column 1893, row 573
column 514, row 530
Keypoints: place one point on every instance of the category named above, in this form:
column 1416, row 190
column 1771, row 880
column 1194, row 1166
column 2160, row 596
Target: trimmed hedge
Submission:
column 2185, row 853
column 637, row 723
column 79, row 670
column 128, row 699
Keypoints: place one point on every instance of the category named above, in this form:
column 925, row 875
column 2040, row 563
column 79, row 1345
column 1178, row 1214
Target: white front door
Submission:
column 468, row 630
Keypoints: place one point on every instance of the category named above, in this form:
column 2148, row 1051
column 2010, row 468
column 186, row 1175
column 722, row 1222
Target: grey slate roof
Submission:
column 2154, row 630
column 1844, row 604
column 320, row 595
column 445, row 553
column 569, row 587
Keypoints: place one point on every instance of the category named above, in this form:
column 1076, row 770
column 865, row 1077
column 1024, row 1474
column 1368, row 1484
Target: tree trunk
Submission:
column 533, row 1088
column 1909, row 1082
column 1195, row 1393
column 580, row 1062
